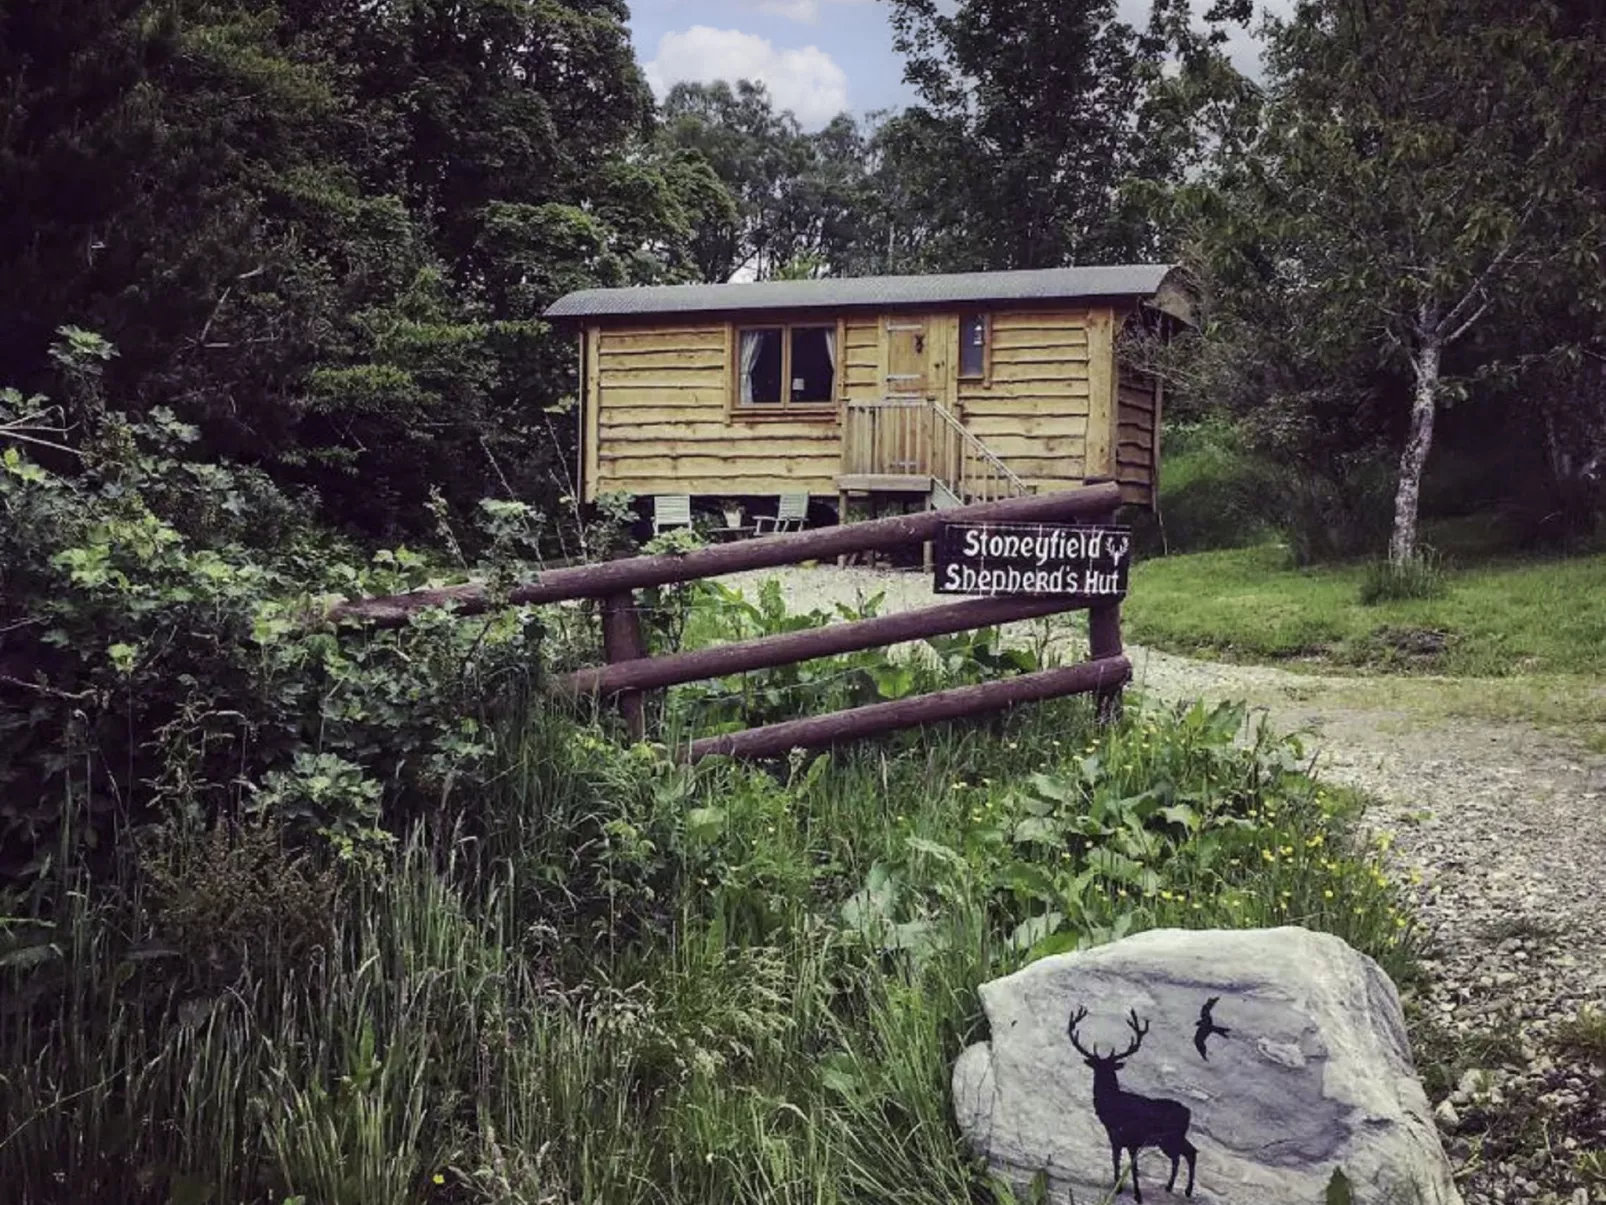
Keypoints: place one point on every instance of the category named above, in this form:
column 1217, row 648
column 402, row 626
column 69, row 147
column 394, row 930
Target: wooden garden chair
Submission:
column 670, row 510
column 791, row 513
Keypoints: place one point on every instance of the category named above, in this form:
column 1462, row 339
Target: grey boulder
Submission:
column 1314, row 1073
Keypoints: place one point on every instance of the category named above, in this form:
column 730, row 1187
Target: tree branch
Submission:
column 18, row 429
column 1457, row 317
column 1469, row 323
column 50, row 691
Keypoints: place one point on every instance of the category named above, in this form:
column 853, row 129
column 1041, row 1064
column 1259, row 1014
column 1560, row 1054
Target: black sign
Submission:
column 1034, row 558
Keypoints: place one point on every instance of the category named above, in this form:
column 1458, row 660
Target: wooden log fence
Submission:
column 630, row 672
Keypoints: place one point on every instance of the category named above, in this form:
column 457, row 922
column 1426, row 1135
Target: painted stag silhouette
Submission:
column 1132, row 1121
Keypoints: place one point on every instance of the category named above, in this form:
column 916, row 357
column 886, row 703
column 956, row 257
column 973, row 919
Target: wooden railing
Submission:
column 630, row 671
column 970, row 470
column 896, row 439
column 888, row 438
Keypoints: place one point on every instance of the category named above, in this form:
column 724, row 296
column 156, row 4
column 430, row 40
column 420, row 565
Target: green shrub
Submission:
column 161, row 657
column 1218, row 491
column 1420, row 577
column 1556, row 515
column 705, row 613
column 1331, row 516
column 234, row 897
column 1211, row 490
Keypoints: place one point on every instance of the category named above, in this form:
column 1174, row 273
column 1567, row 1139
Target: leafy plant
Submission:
column 1585, row 1035
column 633, row 978
column 715, row 613
column 233, row 897
column 160, row 651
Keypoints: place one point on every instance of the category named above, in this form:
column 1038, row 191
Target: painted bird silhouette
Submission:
column 1207, row 1027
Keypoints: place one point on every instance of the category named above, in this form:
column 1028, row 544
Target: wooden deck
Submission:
column 884, row 483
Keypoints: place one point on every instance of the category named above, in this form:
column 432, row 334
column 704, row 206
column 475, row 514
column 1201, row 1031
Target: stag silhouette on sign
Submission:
column 1132, row 1121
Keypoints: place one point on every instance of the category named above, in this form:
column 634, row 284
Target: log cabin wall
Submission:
column 861, row 359
column 660, row 421
column 1034, row 405
column 1137, row 449
column 1052, row 404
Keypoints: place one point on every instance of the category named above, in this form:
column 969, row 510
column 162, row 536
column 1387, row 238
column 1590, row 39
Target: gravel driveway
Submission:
column 1506, row 828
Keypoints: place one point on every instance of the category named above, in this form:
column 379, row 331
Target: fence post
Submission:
column 621, row 641
column 1104, row 638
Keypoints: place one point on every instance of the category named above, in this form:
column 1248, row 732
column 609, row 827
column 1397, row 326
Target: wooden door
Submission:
column 908, row 357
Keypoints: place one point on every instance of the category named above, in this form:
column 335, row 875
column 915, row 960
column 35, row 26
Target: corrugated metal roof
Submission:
column 1046, row 284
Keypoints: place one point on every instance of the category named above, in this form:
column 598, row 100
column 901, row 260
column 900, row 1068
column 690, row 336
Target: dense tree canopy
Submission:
column 1422, row 193
column 324, row 230
column 1023, row 129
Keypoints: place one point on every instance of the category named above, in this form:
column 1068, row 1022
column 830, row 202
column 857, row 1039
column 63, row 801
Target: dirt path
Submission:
column 1504, row 826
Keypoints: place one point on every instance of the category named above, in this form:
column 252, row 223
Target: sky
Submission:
column 818, row 57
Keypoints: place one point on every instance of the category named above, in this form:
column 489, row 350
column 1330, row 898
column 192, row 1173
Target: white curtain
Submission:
column 751, row 341
column 830, row 347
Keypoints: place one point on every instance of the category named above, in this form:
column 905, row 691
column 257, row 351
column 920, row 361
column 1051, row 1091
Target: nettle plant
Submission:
column 1180, row 818
column 162, row 656
column 709, row 612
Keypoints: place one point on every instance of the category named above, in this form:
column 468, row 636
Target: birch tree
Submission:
column 1423, row 164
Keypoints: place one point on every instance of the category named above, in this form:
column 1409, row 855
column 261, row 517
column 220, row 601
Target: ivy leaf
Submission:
column 893, row 681
column 1056, row 789
column 839, row 1074
column 1029, row 880
column 1061, row 942
column 1181, row 814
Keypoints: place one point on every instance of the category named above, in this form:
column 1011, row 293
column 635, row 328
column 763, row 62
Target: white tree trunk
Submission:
column 1424, row 407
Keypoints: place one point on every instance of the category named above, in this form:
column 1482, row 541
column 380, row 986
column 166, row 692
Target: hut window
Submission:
column 813, row 370
column 973, row 340
column 786, row 366
column 761, row 369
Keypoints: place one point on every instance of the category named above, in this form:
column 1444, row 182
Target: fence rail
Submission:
column 630, row 671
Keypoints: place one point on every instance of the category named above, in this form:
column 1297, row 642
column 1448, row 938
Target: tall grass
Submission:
column 617, row 980
column 1420, row 577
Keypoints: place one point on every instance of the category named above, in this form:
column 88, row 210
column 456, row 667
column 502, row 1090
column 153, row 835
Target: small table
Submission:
column 728, row 534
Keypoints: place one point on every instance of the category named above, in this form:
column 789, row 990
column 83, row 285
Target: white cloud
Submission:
column 806, row 11
column 806, row 81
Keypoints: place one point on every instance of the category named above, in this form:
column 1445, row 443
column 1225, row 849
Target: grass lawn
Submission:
column 1529, row 617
